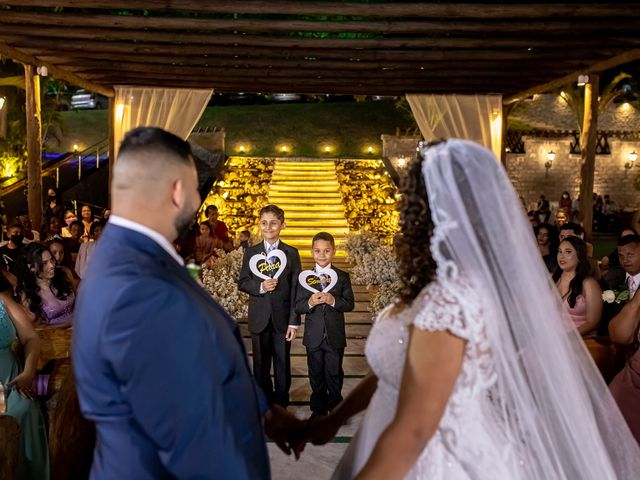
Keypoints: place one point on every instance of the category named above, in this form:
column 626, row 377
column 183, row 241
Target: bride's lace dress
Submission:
column 469, row 442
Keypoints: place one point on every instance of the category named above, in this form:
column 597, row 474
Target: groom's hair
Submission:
column 627, row 239
column 155, row 142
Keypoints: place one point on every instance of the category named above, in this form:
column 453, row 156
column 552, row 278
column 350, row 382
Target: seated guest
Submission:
column 547, row 237
column 623, row 329
column 218, row 227
column 69, row 218
column 43, row 288
column 243, row 239
column 87, row 220
column 58, row 249
column 30, row 235
column 612, row 261
column 52, row 228
column 560, row 219
column 205, row 244
column 565, row 203
column 620, row 279
column 575, row 230
column 75, row 240
column 106, row 213
column 10, row 252
column 581, row 293
column 87, row 248
column 17, row 380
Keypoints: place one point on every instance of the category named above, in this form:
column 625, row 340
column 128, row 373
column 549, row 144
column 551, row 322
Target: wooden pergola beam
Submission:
column 8, row 31
column 554, row 26
column 283, row 7
column 616, row 61
column 34, row 45
column 59, row 73
column 91, row 60
column 216, row 71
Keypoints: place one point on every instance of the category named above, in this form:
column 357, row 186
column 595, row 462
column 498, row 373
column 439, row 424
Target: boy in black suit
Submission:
column 273, row 321
column 324, row 332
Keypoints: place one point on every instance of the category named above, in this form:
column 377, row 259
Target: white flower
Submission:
column 609, row 296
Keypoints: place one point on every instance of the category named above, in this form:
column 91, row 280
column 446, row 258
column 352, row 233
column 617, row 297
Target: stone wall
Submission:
column 531, row 178
column 551, row 112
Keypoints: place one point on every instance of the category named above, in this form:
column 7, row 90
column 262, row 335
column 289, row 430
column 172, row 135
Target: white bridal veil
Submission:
column 549, row 395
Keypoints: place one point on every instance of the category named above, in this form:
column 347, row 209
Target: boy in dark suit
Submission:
column 273, row 321
column 324, row 332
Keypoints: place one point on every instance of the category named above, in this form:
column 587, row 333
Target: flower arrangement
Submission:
column 374, row 264
column 617, row 296
column 242, row 192
column 220, row 277
column 369, row 197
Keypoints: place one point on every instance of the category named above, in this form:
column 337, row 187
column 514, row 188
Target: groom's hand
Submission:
column 279, row 425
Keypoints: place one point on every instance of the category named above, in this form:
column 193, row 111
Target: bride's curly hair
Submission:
column 416, row 266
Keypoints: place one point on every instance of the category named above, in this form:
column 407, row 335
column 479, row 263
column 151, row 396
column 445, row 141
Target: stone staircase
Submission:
column 309, row 194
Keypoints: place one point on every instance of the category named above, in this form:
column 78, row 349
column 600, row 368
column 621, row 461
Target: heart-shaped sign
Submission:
column 260, row 266
column 309, row 278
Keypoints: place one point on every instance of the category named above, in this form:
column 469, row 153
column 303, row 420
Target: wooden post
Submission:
column 506, row 109
column 9, row 447
column 112, row 142
column 34, row 145
column 588, row 141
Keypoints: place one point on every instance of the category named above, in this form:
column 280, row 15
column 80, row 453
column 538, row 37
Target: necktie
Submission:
column 323, row 281
column 632, row 286
column 270, row 248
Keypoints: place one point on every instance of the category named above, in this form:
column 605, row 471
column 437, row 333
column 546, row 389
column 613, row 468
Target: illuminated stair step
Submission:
column 305, row 209
column 302, row 189
column 310, row 232
column 304, row 182
column 310, row 194
column 319, row 203
column 329, row 164
column 308, row 222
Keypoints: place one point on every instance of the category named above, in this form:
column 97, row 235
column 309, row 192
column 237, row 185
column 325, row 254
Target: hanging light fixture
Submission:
column 551, row 156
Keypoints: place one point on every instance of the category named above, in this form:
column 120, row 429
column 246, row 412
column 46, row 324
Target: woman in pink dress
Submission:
column 581, row 294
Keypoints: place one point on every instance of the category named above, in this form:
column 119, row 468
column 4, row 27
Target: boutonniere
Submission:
column 617, row 296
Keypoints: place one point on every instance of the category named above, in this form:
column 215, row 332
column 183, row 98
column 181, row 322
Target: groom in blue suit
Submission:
column 161, row 368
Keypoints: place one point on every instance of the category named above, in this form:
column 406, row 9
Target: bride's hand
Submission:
column 318, row 431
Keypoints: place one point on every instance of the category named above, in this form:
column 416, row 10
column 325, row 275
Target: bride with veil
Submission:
column 477, row 372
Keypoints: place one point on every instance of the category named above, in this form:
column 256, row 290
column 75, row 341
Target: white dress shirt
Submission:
column 160, row 239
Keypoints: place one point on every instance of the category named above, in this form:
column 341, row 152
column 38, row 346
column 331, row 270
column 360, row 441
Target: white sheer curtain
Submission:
column 470, row 117
column 174, row 109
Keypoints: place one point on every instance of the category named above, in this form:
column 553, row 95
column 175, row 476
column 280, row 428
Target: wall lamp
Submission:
column 583, row 80
column 551, row 156
column 633, row 156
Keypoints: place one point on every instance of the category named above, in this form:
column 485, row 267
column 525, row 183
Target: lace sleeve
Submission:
column 440, row 310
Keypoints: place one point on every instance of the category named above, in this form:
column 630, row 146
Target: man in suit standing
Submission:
column 272, row 318
column 160, row 367
column 324, row 330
